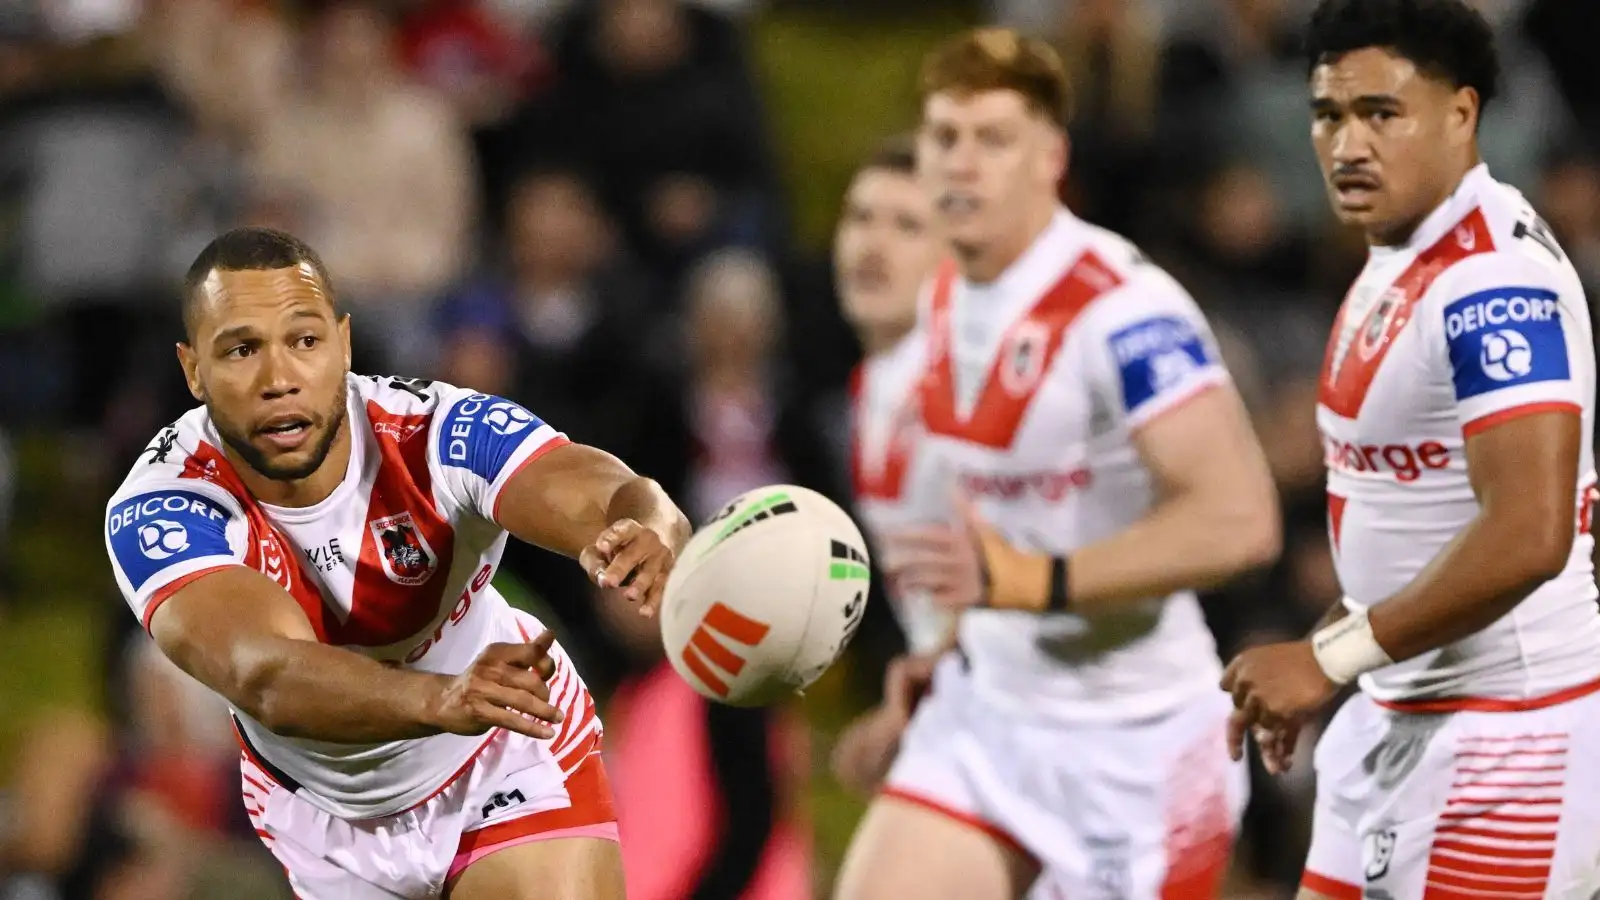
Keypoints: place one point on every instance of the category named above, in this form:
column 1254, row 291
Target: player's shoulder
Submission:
column 1139, row 290
column 1507, row 245
column 177, row 451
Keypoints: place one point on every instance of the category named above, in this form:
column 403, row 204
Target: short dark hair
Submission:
column 1444, row 39
column 897, row 154
column 249, row 249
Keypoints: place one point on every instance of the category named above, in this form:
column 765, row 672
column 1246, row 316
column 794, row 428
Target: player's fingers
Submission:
column 593, row 563
column 527, row 681
column 623, row 570
column 616, row 535
column 1238, row 726
column 1230, row 675
column 649, row 579
column 500, row 717
column 528, row 655
column 505, row 696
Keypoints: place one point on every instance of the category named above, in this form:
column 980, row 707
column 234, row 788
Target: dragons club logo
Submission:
column 407, row 558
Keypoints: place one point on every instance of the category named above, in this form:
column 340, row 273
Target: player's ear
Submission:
column 344, row 338
column 189, row 361
column 1465, row 108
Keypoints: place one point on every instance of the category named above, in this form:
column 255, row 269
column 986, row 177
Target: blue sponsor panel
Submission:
column 482, row 432
column 1503, row 338
column 159, row 529
column 1155, row 356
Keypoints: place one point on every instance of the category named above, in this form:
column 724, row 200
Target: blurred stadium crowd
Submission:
column 588, row 207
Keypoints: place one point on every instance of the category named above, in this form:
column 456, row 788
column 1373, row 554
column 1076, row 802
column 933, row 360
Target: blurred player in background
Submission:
column 317, row 546
column 884, row 250
column 1089, row 464
column 1456, row 409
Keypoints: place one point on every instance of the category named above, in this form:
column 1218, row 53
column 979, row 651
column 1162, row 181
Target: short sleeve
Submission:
column 1153, row 351
column 1508, row 341
column 480, row 441
column 163, row 534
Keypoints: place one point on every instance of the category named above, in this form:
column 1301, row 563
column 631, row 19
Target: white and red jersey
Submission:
column 1035, row 386
column 886, row 428
column 395, row 564
column 1477, row 320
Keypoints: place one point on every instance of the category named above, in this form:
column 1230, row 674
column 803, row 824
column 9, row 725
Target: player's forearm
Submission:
column 1188, row 543
column 1490, row 567
column 304, row 689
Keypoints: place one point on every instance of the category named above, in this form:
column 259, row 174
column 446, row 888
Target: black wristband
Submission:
column 1059, row 601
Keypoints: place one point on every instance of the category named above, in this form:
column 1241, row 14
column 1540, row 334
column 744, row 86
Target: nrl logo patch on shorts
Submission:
column 407, row 558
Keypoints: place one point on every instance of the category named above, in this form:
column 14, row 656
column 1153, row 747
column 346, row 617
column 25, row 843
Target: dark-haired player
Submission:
column 1456, row 410
column 317, row 547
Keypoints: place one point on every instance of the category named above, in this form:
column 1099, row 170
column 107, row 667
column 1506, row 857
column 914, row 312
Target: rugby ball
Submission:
column 765, row 596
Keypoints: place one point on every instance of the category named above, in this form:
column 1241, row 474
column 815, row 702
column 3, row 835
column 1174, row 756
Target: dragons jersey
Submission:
column 1035, row 386
column 1477, row 320
column 394, row 564
column 884, row 434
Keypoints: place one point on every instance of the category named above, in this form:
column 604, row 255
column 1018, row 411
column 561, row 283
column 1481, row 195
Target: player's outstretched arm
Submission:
column 243, row 636
column 587, row 504
column 1525, row 475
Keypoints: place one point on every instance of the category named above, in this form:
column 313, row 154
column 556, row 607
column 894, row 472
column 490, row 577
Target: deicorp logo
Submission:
column 1505, row 337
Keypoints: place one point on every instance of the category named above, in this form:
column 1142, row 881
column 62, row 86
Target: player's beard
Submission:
column 238, row 440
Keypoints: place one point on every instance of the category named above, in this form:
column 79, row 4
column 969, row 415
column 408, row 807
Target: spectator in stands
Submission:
column 377, row 173
column 657, row 94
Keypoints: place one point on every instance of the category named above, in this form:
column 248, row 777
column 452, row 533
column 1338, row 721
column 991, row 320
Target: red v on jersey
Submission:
column 406, row 547
column 1346, row 380
column 884, row 477
column 269, row 552
column 1026, row 353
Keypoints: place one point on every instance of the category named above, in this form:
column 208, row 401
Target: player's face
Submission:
column 884, row 247
column 269, row 360
column 987, row 161
column 1386, row 136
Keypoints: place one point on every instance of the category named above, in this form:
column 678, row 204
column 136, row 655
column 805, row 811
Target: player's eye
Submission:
column 307, row 341
column 239, row 351
column 1326, row 115
column 909, row 226
column 1384, row 115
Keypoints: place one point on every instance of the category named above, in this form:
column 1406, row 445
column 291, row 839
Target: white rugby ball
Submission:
column 765, row 596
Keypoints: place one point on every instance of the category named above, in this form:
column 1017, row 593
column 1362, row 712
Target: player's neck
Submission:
column 303, row 492
column 984, row 263
column 1398, row 234
column 878, row 339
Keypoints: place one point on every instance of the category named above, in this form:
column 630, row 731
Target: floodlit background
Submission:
column 616, row 212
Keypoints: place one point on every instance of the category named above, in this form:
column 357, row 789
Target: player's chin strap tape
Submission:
column 1347, row 649
column 1058, row 600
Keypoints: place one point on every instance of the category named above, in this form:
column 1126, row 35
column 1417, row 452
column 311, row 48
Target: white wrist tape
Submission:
column 1346, row 649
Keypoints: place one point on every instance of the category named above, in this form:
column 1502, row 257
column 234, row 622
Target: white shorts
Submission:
column 1138, row 810
column 516, row 790
column 1461, row 802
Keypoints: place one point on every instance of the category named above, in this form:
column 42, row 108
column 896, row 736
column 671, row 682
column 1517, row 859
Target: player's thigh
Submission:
column 577, row 868
column 903, row 849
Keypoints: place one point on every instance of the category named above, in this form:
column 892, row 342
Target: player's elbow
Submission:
column 258, row 691
column 1250, row 529
column 1547, row 549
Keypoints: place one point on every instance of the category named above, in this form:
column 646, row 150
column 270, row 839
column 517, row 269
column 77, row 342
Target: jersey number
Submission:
column 1538, row 232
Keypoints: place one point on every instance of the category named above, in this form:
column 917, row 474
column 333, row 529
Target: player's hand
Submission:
column 507, row 686
column 958, row 567
column 1277, row 745
column 1276, row 686
column 629, row 556
column 867, row 747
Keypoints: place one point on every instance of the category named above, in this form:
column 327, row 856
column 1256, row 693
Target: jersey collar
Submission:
column 1461, row 201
